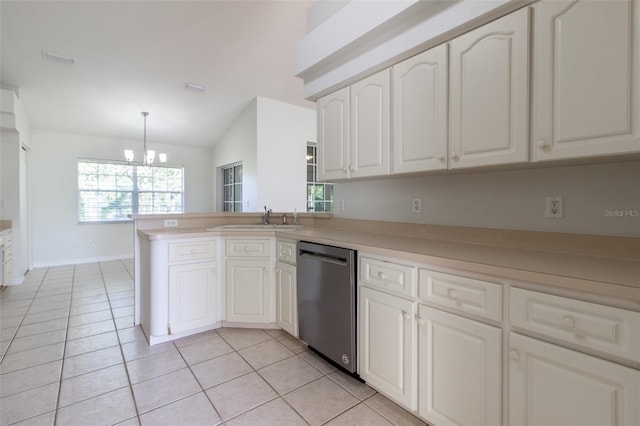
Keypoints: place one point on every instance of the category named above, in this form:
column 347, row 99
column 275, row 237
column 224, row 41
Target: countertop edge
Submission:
column 347, row 240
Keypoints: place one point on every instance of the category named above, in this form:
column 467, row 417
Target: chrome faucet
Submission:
column 265, row 216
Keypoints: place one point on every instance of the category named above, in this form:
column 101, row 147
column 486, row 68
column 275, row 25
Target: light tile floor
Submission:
column 71, row 356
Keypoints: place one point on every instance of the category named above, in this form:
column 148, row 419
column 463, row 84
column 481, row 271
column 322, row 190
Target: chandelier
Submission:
column 148, row 154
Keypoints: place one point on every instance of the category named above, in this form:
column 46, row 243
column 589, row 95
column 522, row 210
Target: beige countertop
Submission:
column 611, row 276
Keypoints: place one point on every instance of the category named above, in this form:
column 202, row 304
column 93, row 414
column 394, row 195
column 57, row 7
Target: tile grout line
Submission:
column 222, row 421
column 64, row 351
column 24, row 316
column 115, row 326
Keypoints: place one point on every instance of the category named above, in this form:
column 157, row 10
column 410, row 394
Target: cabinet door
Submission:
column 287, row 298
column 489, row 93
column 386, row 352
column 460, row 370
column 248, row 291
column 193, row 296
column 420, row 108
column 333, row 135
column 370, row 112
column 585, row 81
column 551, row 385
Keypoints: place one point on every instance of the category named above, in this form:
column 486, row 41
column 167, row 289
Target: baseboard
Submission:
column 81, row 261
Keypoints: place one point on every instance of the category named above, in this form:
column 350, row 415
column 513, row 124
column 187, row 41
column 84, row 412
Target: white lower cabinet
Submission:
column 249, row 280
column 287, row 298
column 248, row 290
column 193, row 296
column 460, row 370
column 180, row 292
column 386, row 352
column 551, row 385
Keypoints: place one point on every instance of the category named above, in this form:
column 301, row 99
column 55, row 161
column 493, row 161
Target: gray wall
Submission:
column 512, row 199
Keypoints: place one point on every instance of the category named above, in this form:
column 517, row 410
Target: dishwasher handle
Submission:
column 322, row 257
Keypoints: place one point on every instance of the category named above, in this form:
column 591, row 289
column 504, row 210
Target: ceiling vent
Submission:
column 195, row 87
column 55, row 57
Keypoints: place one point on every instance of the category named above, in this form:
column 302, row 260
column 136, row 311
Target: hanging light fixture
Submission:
column 148, row 155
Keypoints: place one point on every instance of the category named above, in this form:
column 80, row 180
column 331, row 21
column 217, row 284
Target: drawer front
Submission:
column 191, row 250
column 286, row 251
column 465, row 295
column 388, row 275
column 248, row 247
column 590, row 325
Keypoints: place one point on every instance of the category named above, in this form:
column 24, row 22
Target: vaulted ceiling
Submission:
column 133, row 56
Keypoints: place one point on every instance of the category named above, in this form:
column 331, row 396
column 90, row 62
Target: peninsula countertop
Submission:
column 616, row 276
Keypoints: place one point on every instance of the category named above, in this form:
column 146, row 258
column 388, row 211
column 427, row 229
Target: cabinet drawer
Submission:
column 191, row 250
column 248, row 248
column 388, row 275
column 603, row 328
column 462, row 294
column 286, row 251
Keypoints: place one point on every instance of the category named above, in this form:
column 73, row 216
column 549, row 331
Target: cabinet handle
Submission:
column 213, row 269
column 513, row 354
column 264, row 269
column 406, row 316
column 542, row 144
column 568, row 322
column 420, row 321
column 194, row 251
column 452, row 293
column 382, row 276
column 352, row 169
column 454, row 156
column 441, row 158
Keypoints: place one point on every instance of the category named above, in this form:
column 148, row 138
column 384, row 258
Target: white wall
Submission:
column 57, row 236
column 507, row 199
column 239, row 143
column 283, row 133
column 269, row 138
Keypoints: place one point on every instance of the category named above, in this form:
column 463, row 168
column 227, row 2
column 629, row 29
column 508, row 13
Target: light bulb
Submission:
column 162, row 157
column 151, row 154
column 128, row 155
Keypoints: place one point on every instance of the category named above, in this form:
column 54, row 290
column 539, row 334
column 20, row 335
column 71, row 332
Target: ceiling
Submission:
column 133, row 56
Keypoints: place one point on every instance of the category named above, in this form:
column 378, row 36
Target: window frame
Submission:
column 232, row 185
column 327, row 202
column 134, row 192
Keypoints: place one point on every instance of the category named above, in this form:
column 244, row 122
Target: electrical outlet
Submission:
column 416, row 205
column 170, row 223
column 554, row 207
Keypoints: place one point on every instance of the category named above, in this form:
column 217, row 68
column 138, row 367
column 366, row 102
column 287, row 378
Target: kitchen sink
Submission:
column 254, row 227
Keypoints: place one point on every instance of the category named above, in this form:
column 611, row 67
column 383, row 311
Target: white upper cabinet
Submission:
column 333, row 135
column 489, row 93
column 370, row 119
column 585, row 81
column 420, row 103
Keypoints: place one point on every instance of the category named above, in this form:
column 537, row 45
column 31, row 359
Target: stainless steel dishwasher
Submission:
column 327, row 301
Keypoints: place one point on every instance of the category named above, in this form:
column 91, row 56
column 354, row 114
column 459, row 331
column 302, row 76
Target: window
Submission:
column 232, row 187
column 110, row 190
column 319, row 195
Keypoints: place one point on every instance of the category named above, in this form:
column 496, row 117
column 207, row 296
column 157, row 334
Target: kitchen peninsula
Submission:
column 496, row 298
